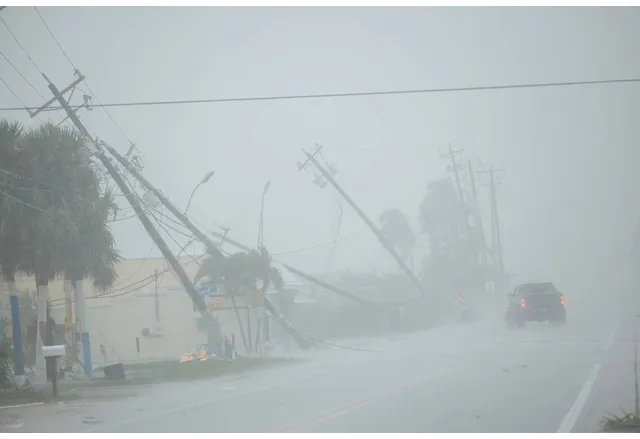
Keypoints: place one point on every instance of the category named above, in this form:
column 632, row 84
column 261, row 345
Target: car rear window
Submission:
column 539, row 288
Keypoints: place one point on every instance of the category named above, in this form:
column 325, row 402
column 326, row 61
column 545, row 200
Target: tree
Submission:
column 69, row 235
column 53, row 208
column 240, row 273
column 11, row 207
column 454, row 236
column 396, row 229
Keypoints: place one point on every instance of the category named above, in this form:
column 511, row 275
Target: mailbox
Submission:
column 54, row 351
column 51, row 355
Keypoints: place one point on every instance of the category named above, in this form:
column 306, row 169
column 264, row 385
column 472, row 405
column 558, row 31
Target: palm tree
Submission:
column 396, row 229
column 91, row 250
column 241, row 273
column 58, row 223
column 11, row 207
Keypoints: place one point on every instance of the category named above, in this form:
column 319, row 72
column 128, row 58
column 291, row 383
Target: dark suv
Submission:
column 536, row 301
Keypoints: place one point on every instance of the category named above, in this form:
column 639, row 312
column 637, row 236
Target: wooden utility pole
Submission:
column 451, row 155
column 201, row 236
column 495, row 220
column 137, row 207
column 478, row 214
column 385, row 243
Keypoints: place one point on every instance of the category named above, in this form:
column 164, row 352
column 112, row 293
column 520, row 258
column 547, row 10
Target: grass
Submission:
column 18, row 397
column 169, row 371
column 140, row 374
column 628, row 422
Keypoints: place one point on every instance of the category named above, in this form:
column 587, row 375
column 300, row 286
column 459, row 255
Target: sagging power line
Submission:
column 351, row 94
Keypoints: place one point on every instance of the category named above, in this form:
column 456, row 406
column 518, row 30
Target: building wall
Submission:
column 117, row 317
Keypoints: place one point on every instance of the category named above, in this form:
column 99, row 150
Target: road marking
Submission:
column 307, row 424
column 20, row 405
column 570, row 419
column 357, row 404
column 572, row 416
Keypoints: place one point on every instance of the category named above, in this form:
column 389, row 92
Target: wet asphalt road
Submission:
column 476, row 377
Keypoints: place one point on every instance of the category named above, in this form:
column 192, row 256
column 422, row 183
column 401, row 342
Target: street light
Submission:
column 205, row 179
column 262, row 321
column 261, row 225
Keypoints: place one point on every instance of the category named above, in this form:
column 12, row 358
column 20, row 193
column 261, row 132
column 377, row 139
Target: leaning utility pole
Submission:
column 201, row 236
column 451, row 155
column 478, row 214
column 385, row 243
column 137, row 207
column 495, row 221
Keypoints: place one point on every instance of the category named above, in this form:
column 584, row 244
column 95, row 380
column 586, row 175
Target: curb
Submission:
column 30, row 404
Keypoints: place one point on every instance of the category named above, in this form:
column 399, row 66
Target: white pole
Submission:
column 69, row 331
column 41, row 331
column 83, row 328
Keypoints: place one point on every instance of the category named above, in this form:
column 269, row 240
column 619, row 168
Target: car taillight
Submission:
column 562, row 300
column 523, row 304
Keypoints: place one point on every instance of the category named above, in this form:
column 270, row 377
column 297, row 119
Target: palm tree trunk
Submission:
column 232, row 295
column 9, row 277
column 69, row 331
column 42, row 286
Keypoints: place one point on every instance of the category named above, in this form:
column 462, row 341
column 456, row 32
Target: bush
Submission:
column 6, row 375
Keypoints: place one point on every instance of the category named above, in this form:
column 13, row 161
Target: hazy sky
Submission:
column 570, row 193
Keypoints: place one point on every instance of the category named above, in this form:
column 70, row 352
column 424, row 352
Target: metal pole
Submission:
column 81, row 319
column 18, row 355
column 191, row 197
column 156, row 296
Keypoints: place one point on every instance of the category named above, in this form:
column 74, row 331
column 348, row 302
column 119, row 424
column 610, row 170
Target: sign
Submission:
column 217, row 303
column 255, row 298
column 208, row 289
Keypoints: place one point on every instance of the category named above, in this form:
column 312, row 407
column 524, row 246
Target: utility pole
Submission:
column 156, row 296
column 496, row 241
column 201, row 236
column 478, row 214
column 451, row 155
column 385, row 243
column 137, row 207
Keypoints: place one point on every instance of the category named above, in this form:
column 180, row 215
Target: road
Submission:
column 476, row 377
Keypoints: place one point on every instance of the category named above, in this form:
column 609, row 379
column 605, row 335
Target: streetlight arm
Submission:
column 205, row 179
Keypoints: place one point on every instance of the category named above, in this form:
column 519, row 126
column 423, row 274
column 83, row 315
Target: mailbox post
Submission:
column 51, row 355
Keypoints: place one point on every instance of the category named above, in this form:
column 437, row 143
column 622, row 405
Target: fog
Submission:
column 567, row 199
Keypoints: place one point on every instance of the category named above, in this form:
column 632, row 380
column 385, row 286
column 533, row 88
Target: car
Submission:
column 535, row 302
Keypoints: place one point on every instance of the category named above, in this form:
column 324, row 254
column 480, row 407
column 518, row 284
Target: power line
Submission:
column 54, row 38
column 24, row 203
column 13, row 93
column 354, row 94
column 76, row 69
column 21, row 46
column 326, row 244
column 21, row 75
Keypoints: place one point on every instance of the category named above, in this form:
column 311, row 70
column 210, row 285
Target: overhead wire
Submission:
column 21, row 75
column 76, row 69
column 21, row 46
column 326, row 244
column 13, row 197
column 359, row 94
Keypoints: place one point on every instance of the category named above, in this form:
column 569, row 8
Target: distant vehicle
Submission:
column 535, row 302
